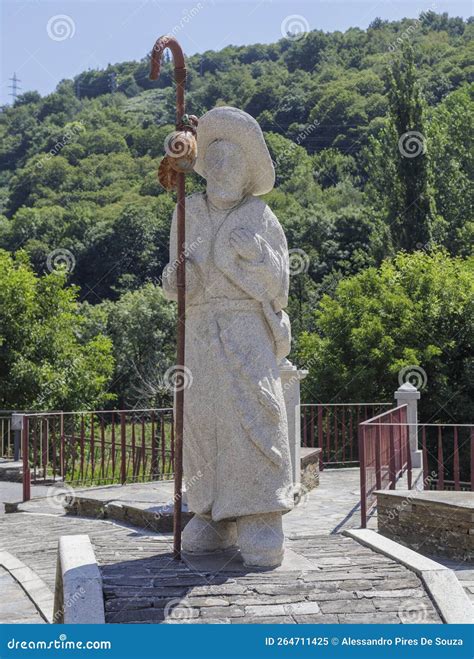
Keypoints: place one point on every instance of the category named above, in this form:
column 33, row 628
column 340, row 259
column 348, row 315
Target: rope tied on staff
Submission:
column 181, row 152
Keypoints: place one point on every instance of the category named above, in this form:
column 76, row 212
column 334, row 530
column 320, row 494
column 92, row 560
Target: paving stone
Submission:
column 221, row 589
column 410, row 580
column 114, row 591
column 202, row 621
column 247, row 600
column 348, row 606
column 205, row 601
column 226, row 612
column 371, row 594
column 328, row 597
column 270, row 610
column 392, row 604
column 321, row 619
column 375, row 618
column 280, row 620
column 124, row 603
column 129, row 581
column 279, row 589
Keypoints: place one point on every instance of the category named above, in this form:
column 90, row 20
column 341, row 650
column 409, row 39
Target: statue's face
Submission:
column 226, row 174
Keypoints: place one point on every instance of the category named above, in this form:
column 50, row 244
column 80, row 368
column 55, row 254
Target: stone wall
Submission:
column 437, row 523
column 310, row 468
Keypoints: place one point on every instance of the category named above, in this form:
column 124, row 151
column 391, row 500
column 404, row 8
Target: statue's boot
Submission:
column 261, row 539
column 202, row 535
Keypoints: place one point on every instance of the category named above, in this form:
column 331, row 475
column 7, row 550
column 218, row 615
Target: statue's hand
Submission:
column 246, row 244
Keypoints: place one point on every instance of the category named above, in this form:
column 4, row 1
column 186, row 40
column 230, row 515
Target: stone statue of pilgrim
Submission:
column 236, row 455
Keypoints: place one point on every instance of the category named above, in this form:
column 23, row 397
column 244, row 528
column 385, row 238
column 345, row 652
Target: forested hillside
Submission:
column 79, row 192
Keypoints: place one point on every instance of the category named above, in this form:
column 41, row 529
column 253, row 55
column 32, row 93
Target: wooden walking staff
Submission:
column 181, row 153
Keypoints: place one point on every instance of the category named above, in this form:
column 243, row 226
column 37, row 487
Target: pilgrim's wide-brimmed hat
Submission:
column 236, row 126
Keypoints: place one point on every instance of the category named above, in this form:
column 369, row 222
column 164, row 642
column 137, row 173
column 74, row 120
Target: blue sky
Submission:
column 44, row 41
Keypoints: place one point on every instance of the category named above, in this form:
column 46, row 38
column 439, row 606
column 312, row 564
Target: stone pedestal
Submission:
column 409, row 395
column 291, row 377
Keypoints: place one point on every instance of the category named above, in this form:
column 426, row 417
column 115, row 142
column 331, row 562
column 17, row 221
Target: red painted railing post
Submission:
column 363, row 482
column 123, row 459
column 92, row 446
column 426, row 477
column 320, row 436
column 472, row 459
column 26, row 461
column 409, row 465
column 305, row 430
column 154, row 465
column 440, row 483
column 457, row 485
column 62, row 456
column 102, row 447
column 392, row 463
column 378, row 461
column 44, row 444
column 172, row 441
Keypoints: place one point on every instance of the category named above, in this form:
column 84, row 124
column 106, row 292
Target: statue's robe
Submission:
column 236, row 452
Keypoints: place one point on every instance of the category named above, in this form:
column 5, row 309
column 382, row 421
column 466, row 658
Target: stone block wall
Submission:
column 437, row 523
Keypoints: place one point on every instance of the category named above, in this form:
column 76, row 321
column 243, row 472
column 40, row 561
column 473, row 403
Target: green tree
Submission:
column 415, row 310
column 44, row 362
column 450, row 134
column 402, row 170
column 141, row 325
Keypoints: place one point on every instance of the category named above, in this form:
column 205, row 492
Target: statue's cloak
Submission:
column 236, row 453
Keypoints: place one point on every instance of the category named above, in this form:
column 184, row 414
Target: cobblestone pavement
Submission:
column 13, row 492
column 15, row 606
column 142, row 583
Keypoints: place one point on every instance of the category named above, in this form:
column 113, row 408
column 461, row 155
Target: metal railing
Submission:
column 333, row 427
column 98, row 447
column 448, row 456
column 6, row 438
column 385, row 456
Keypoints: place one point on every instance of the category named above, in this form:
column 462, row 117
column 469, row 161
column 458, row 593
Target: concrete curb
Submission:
column 35, row 588
column 441, row 583
column 78, row 598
